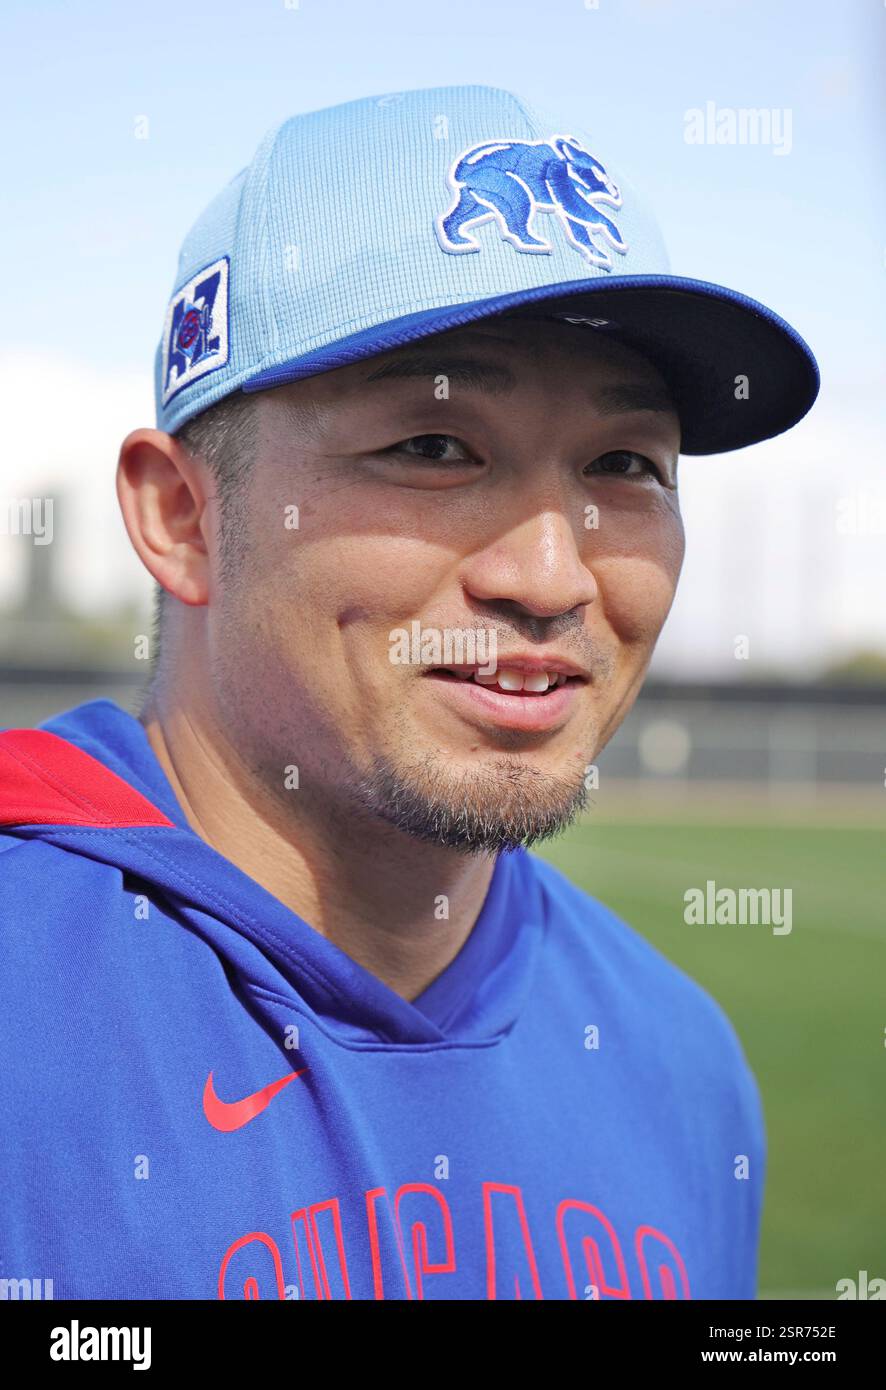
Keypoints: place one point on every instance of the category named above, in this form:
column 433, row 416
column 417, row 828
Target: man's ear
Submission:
column 163, row 495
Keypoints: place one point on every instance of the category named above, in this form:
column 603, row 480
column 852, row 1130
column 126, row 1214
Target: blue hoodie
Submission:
column 202, row 1097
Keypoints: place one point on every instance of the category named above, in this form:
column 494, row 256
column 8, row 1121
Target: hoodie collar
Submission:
column 475, row 1000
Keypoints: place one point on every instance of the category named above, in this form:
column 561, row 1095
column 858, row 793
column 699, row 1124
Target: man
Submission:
column 293, row 1013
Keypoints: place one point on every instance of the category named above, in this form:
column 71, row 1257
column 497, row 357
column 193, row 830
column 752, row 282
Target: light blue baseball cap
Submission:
column 362, row 227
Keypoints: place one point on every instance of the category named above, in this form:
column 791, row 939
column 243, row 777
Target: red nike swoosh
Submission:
column 228, row 1115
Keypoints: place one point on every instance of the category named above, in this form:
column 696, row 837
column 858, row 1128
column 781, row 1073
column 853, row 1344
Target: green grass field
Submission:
column 809, row 1007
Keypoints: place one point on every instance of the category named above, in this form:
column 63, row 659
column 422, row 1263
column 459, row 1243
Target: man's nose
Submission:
column 538, row 565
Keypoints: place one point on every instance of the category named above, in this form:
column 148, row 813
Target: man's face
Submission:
column 515, row 476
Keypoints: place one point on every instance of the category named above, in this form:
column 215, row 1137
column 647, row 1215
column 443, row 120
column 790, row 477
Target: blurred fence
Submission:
column 809, row 740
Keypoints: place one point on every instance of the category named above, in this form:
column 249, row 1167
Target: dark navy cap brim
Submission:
column 704, row 339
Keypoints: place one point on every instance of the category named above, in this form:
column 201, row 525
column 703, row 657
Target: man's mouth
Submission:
column 508, row 680
column 529, row 698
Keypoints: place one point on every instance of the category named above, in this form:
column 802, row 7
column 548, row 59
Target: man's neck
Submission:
column 401, row 907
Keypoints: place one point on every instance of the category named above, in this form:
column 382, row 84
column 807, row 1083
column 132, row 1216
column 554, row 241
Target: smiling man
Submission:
column 313, row 1020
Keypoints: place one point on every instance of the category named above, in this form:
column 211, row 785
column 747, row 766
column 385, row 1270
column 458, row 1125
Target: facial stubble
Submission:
column 498, row 803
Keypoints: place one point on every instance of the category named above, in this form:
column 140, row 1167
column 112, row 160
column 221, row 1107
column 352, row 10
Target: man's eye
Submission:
column 432, row 447
column 624, row 464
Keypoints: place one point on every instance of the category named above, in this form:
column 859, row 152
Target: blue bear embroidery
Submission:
column 511, row 180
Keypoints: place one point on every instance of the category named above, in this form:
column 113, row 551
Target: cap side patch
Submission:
column 196, row 331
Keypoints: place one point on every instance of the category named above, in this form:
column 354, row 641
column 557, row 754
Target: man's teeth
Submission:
column 537, row 682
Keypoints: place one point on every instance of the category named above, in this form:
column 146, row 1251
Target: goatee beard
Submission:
column 487, row 811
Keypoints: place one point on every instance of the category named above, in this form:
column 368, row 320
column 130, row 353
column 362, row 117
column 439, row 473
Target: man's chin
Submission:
column 503, row 804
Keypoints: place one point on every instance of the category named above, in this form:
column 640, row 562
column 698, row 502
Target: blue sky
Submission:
column 95, row 217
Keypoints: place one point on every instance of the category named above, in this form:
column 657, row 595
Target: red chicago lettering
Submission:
column 668, row 1284
column 306, row 1220
column 250, row 1283
column 420, row 1209
column 496, row 1277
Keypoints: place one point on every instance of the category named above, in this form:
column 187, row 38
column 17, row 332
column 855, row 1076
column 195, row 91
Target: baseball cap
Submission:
column 362, row 227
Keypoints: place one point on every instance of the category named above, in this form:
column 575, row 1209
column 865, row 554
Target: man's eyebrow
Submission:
column 627, row 396
column 472, row 372
column 494, row 378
